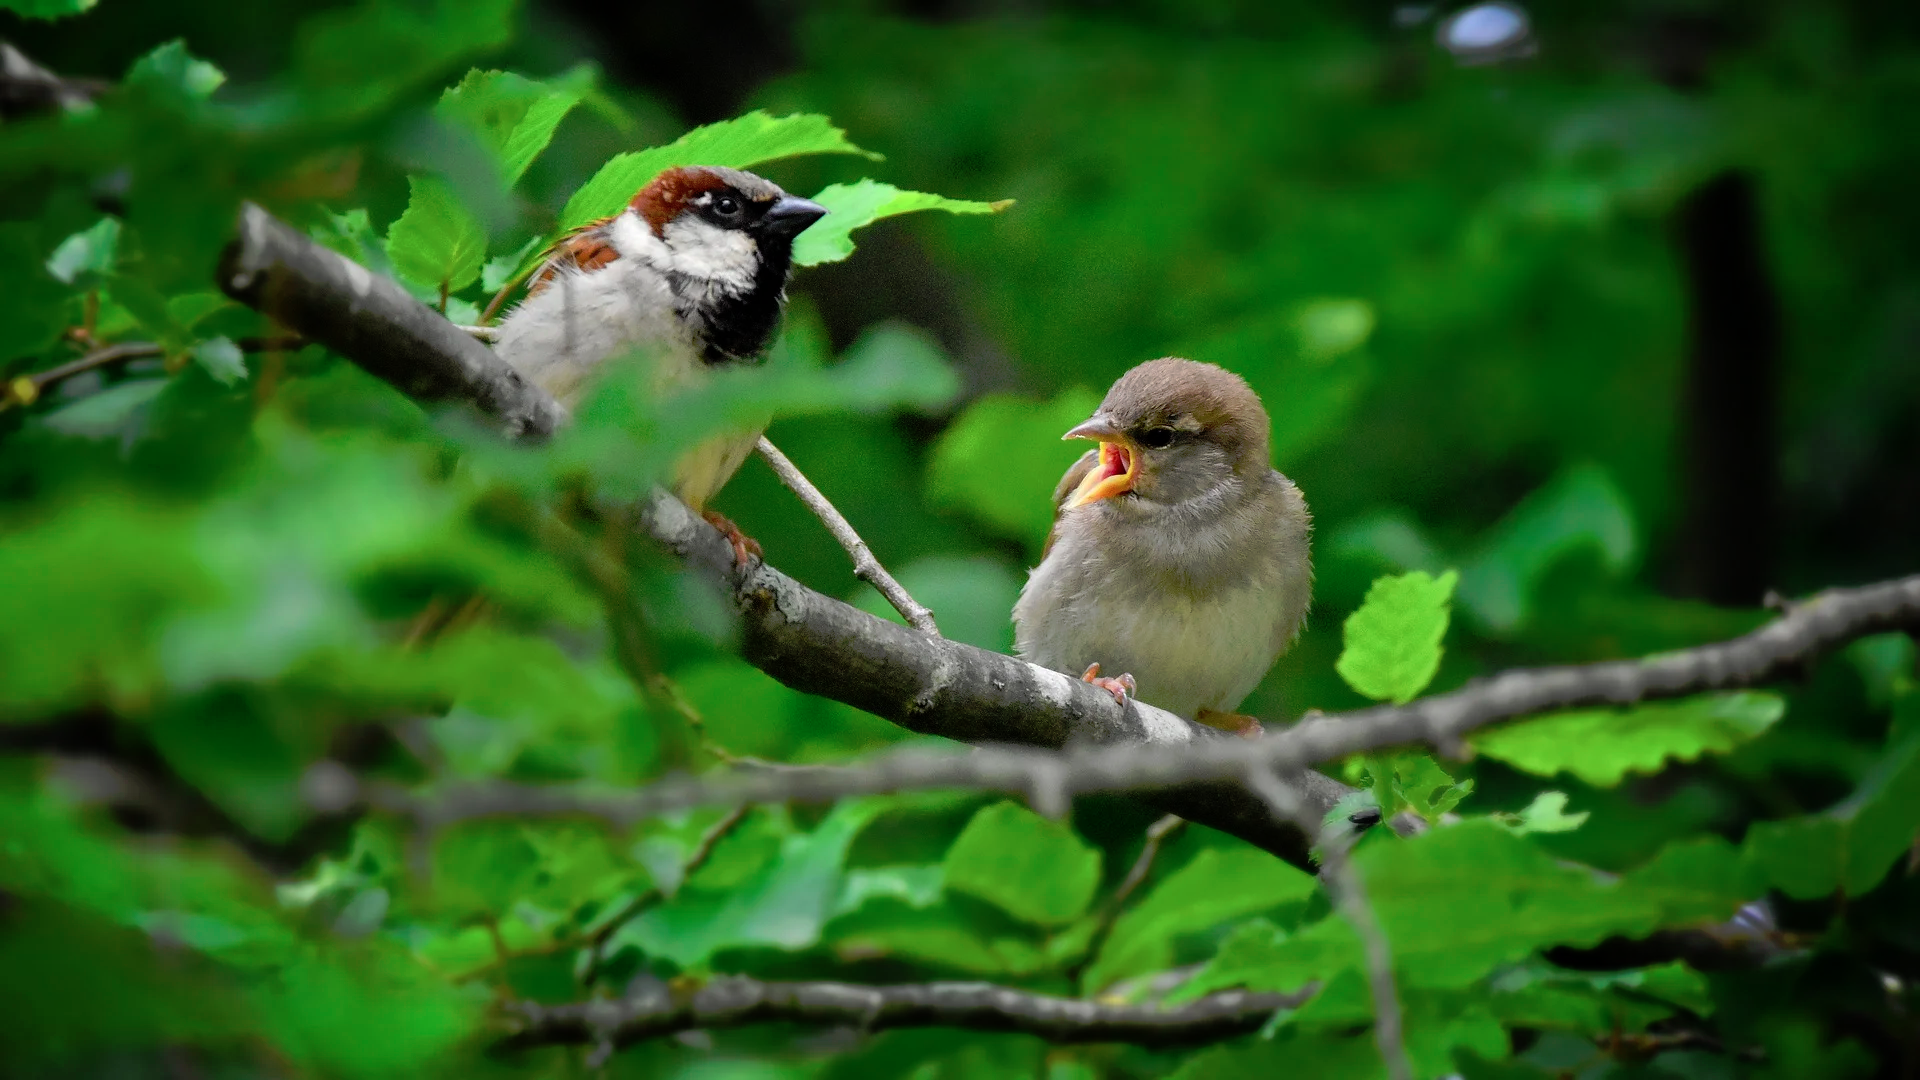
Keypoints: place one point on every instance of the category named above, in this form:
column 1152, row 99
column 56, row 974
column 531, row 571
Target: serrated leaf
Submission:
column 856, row 205
column 513, row 115
column 171, row 69
column 1216, row 887
column 1849, row 848
column 1000, row 459
column 91, row 251
column 1392, row 645
column 502, row 268
column 437, row 240
column 1600, row 746
column 222, row 360
column 740, row 143
column 1033, row 869
column 783, row 905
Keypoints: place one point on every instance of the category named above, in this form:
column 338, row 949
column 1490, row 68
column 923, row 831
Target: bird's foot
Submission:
column 745, row 547
column 1244, row 726
column 1121, row 688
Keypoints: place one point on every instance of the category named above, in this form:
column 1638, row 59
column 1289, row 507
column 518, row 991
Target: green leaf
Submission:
column 34, row 305
column 1600, row 746
column 513, row 115
column 437, row 241
column 171, row 69
column 784, row 905
column 857, row 205
column 1000, row 460
column 1032, row 868
column 501, row 268
column 1393, row 642
column 1547, row 813
column 1580, row 508
column 222, row 359
column 1250, row 957
column 91, row 252
column 1218, row 886
column 740, row 143
column 47, row 9
column 1850, row 847
column 969, row 595
column 1420, row 783
column 1448, row 928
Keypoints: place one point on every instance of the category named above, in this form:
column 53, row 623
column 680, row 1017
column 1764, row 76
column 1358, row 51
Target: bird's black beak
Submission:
column 791, row 215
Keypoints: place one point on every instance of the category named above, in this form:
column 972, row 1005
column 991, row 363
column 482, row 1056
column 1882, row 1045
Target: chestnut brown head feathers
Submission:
column 692, row 272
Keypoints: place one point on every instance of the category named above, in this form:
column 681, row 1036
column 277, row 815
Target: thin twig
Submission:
column 1158, row 834
column 26, row 389
column 1349, row 895
column 597, row 941
column 731, row 1001
column 865, row 566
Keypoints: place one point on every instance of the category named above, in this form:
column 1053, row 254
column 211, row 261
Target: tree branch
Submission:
column 655, row 1009
column 810, row 642
column 865, row 566
column 821, row 646
column 371, row 320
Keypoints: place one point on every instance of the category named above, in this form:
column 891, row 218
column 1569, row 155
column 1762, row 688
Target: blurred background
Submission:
column 1615, row 307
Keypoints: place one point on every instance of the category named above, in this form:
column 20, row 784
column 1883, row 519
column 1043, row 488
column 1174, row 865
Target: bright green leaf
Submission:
column 437, row 240
column 222, row 360
column 90, row 252
column 1547, row 813
column 856, row 205
column 1393, row 642
column 1580, row 508
column 47, row 9
column 513, row 115
column 739, row 143
column 1219, row 885
column 1600, row 746
column 1032, row 868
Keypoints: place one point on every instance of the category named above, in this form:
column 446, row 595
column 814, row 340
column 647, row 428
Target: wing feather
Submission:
column 1068, row 483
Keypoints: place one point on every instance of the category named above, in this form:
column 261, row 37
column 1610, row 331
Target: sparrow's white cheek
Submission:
column 728, row 258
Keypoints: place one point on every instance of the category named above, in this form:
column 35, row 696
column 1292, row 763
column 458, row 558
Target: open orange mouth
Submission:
column 1114, row 474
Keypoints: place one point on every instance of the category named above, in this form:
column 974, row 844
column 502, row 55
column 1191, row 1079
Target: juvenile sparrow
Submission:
column 1178, row 555
column 695, row 270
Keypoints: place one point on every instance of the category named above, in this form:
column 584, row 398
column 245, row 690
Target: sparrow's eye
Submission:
column 726, row 206
column 1157, row 438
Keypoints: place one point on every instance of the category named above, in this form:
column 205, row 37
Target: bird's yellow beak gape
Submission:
column 1117, row 469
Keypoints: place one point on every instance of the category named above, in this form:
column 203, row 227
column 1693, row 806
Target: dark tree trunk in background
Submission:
column 1728, row 421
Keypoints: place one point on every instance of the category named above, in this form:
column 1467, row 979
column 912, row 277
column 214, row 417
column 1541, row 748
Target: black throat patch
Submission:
column 738, row 328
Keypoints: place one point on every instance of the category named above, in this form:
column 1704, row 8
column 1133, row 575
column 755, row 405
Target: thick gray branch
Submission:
column 733, row 1001
column 371, row 320
column 808, row 641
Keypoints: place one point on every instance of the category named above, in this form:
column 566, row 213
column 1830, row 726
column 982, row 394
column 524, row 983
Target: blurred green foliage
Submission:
column 229, row 571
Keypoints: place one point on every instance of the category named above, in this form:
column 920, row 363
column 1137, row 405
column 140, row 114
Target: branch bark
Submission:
column 810, row 642
column 656, row 1009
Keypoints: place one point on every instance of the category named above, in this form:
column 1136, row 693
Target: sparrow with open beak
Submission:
column 694, row 270
column 1178, row 555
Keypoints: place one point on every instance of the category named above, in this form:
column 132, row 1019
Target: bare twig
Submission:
column 1349, row 895
column 865, row 566
column 735, row 1001
column 1158, row 834
column 597, row 941
column 26, row 389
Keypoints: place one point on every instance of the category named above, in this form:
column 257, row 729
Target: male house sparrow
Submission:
column 1178, row 554
column 694, row 269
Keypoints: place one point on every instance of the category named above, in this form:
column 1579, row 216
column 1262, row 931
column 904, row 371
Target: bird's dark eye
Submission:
column 726, row 206
column 1157, row 438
